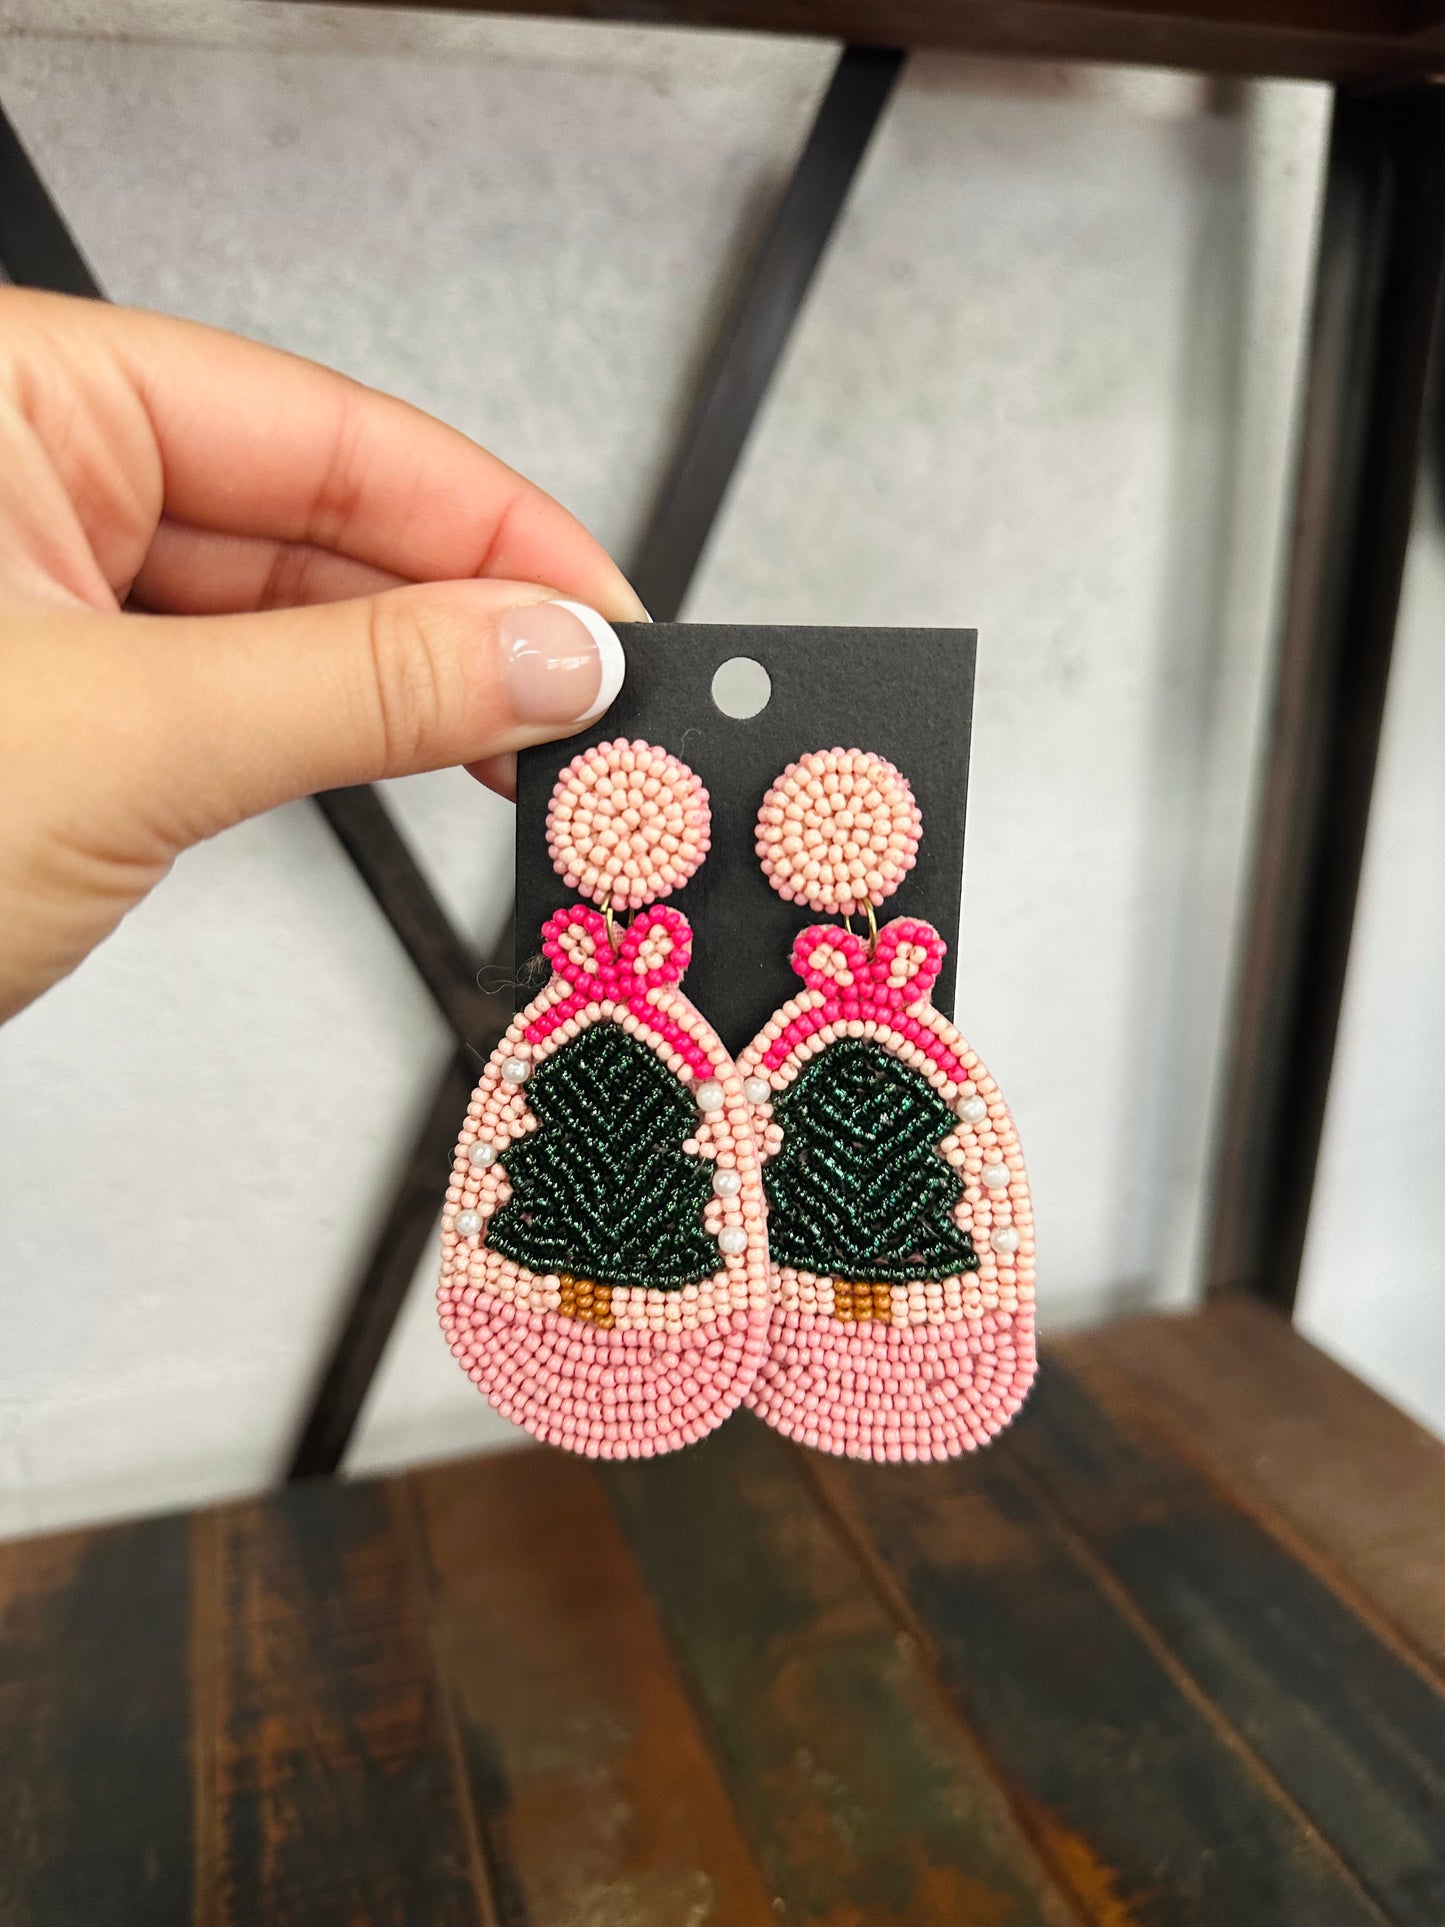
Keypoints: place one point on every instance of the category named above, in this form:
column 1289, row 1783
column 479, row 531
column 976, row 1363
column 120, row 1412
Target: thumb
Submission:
column 245, row 712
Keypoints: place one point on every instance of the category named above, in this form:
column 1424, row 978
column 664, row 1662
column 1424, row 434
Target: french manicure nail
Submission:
column 564, row 663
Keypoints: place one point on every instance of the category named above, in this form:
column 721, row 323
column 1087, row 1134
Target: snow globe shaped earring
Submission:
column 899, row 1221
column 604, row 1258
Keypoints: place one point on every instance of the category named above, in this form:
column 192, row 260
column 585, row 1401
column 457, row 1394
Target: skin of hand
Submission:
column 228, row 578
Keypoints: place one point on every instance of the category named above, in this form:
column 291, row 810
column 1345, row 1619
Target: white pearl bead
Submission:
column 711, row 1096
column 973, row 1110
column 727, row 1183
column 757, row 1090
column 469, row 1223
column 483, row 1154
column 732, row 1241
column 1005, row 1239
column 995, row 1176
column 514, row 1069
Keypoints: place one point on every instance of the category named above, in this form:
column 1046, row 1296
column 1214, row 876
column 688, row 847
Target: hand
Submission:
column 323, row 586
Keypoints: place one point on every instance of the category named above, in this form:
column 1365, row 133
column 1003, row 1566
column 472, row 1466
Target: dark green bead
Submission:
column 602, row 1187
column 858, row 1189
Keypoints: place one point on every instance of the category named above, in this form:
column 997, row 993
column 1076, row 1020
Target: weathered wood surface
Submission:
column 596, row 1795
column 1292, row 1431
column 96, row 1816
column 1228, row 1694
column 325, row 1782
column 864, row 1798
column 1168, row 1655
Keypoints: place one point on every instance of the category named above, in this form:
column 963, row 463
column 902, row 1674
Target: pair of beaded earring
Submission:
column 641, row 1234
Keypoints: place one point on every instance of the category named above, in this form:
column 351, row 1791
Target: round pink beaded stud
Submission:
column 604, row 1259
column 900, row 1226
column 628, row 824
column 839, row 829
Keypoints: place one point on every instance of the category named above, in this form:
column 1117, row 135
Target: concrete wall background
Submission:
column 1373, row 1287
column 1045, row 385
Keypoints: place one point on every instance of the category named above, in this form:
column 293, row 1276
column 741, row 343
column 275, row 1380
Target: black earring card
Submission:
column 906, row 694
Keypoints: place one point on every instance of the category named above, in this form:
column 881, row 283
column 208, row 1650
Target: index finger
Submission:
column 257, row 442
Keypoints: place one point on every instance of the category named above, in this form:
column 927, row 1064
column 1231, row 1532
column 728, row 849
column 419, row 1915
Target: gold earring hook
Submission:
column 610, row 922
column 872, row 925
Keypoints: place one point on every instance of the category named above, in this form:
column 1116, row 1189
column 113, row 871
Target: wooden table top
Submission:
column 1171, row 1652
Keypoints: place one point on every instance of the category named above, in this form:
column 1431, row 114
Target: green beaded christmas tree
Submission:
column 858, row 1189
column 603, row 1188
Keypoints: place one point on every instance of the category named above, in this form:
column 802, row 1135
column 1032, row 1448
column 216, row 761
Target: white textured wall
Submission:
column 1373, row 1289
column 1044, row 385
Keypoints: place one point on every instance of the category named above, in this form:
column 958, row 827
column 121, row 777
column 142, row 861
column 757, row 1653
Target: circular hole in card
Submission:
column 741, row 688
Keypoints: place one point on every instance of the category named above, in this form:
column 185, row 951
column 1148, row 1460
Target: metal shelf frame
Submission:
column 1374, row 318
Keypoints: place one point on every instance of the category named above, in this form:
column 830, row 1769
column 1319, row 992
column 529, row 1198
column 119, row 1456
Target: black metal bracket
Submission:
column 742, row 367
column 367, row 831
column 1377, row 293
column 38, row 250
column 1375, row 308
column 756, row 332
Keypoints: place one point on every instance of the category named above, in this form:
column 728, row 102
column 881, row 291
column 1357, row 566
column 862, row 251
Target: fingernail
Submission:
column 564, row 663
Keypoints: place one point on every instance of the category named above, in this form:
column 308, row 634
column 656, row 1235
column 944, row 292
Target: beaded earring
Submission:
column 604, row 1258
column 899, row 1223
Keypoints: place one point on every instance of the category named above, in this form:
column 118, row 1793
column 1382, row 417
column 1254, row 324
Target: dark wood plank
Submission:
column 862, row 1795
column 95, row 1776
column 1143, row 1796
column 326, row 1782
column 1338, row 40
column 1353, row 1475
column 597, row 1800
column 1347, row 1724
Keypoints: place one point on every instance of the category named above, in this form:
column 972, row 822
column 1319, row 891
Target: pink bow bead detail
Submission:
column 900, row 973
column 655, row 949
column 904, row 965
column 652, row 955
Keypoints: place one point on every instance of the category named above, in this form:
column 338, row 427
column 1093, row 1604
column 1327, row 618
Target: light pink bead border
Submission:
column 954, row 1363
column 674, row 1363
